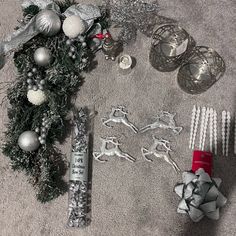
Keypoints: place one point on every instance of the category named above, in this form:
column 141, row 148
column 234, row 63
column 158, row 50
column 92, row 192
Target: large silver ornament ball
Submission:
column 42, row 56
column 28, row 141
column 48, row 22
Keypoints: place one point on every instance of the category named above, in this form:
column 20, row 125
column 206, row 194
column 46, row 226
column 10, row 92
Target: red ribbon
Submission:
column 203, row 160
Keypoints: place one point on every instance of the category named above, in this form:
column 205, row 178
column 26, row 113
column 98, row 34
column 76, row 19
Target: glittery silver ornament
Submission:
column 36, row 97
column 28, row 141
column 42, row 56
column 135, row 15
column 48, row 22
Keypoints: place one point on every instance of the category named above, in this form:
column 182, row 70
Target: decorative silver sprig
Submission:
column 133, row 16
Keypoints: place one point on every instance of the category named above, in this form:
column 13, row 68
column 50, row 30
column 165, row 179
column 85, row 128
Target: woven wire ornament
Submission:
column 135, row 15
column 202, row 69
column 170, row 46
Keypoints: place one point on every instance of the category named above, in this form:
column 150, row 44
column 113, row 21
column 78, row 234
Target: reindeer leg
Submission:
column 145, row 128
column 129, row 158
column 145, row 153
column 126, row 156
column 169, row 160
column 105, row 122
column 177, row 130
column 131, row 125
column 134, row 128
column 97, row 157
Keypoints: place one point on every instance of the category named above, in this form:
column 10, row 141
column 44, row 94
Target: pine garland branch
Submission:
column 46, row 166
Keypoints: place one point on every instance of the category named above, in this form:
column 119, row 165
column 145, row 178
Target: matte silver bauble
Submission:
column 42, row 56
column 48, row 22
column 28, row 141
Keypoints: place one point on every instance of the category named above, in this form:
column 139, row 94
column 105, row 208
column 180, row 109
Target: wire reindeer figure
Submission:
column 160, row 153
column 119, row 115
column 113, row 151
column 164, row 120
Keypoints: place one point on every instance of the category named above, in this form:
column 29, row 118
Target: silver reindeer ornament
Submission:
column 119, row 115
column 111, row 147
column 160, row 149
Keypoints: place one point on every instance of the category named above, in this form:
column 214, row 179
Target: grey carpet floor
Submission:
column 133, row 199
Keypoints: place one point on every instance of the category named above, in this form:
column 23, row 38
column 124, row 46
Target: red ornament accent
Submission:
column 101, row 36
column 203, row 160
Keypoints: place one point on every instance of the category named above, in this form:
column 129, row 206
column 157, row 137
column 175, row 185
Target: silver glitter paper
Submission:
column 134, row 15
column 78, row 210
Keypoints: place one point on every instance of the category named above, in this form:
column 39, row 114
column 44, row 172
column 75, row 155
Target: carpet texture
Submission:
column 133, row 199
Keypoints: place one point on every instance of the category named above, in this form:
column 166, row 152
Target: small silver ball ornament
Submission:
column 30, row 74
column 29, row 81
column 42, row 56
column 42, row 82
column 48, row 22
column 28, row 141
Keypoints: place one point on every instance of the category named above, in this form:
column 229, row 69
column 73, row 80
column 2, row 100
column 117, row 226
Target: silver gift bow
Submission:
column 200, row 195
column 26, row 32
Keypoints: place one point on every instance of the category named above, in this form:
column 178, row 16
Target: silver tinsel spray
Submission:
column 79, row 171
column 134, row 15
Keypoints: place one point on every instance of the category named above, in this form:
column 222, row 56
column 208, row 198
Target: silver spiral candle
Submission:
column 79, row 168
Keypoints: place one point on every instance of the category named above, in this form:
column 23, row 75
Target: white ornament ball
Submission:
column 42, row 56
column 73, row 26
column 48, row 22
column 36, row 97
column 29, row 141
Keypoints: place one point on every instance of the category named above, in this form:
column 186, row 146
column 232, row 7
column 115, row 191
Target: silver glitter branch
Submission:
column 133, row 16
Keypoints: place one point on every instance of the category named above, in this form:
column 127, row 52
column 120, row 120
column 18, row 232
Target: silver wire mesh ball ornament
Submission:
column 170, row 46
column 202, row 69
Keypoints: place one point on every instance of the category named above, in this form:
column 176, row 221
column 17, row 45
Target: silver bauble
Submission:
column 48, row 22
column 42, row 56
column 28, row 141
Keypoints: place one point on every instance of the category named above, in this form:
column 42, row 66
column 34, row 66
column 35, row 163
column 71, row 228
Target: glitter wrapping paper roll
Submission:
column 78, row 206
